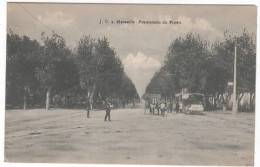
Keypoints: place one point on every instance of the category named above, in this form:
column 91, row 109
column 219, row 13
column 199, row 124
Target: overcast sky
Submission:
column 141, row 47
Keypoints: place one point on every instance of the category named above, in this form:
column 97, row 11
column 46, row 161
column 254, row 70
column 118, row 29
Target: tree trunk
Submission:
column 240, row 98
column 224, row 107
column 228, row 100
column 32, row 99
column 25, row 99
column 252, row 98
column 48, row 99
column 225, row 101
column 90, row 95
column 91, row 103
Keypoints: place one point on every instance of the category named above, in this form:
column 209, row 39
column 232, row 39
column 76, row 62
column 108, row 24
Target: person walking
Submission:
column 108, row 110
column 88, row 106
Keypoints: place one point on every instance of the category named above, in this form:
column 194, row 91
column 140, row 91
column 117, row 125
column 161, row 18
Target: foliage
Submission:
column 185, row 66
column 127, row 90
column 53, row 68
column 21, row 61
column 101, row 72
column 162, row 83
column 193, row 64
column 56, row 69
column 246, row 59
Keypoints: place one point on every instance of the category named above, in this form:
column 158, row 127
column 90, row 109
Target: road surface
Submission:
column 68, row 136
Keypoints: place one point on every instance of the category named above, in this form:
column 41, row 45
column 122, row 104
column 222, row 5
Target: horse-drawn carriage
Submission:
column 152, row 102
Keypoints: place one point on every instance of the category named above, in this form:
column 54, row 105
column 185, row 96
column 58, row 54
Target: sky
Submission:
column 141, row 47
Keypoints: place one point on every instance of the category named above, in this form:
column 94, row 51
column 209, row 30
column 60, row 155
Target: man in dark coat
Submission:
column 108, row 110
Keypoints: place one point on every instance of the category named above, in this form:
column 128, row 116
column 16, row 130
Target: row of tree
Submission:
column 194, row 63
column 37, row 73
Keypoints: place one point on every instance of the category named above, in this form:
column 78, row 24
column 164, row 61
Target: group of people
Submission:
column 107, row 108
column 153, row 105
column 162, row 106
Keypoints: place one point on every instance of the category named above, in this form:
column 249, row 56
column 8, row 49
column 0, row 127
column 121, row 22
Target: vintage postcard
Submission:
column 144, row 84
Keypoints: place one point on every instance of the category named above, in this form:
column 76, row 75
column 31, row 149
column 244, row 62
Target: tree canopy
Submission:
column 200, row 66
column 51, row 69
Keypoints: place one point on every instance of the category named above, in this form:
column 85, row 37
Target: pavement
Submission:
column 132, row 137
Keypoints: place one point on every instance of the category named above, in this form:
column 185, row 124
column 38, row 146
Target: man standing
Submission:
column 107, row 105
column 88, row 106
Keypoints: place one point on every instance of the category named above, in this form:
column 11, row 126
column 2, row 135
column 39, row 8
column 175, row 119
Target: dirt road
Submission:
column 68, row 136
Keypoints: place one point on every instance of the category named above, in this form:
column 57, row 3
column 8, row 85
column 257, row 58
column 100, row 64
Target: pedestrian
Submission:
column 108, row 110
column 88, row 106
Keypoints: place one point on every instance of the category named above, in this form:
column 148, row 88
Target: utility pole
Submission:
column 235, row 105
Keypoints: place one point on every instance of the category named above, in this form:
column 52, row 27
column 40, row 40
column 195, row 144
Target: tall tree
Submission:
column 21, row 61
column 186, row 59
column 127, row 90
column 246, row 59
column 185, row 66
column 163, row 82
column 110, row 69
column 54, row 53
column 87, row 65
column 223, row 52
column 100, row 70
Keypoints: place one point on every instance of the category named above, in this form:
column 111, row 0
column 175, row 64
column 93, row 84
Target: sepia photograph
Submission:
column 131, row 84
